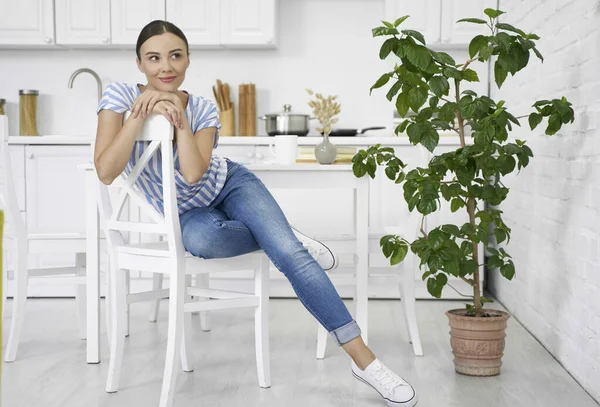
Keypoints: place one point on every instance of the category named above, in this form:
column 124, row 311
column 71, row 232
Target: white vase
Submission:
column 326, row 151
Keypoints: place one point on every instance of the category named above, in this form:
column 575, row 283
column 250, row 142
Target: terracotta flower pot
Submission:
column 477, row 342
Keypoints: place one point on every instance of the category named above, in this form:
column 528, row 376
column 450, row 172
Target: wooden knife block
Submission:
column 227, row 119
column 247, row 110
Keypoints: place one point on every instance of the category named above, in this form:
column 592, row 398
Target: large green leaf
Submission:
column 402, row 104
column 443, row 58
column 418, row 55
column 388, row 46
column 439, row 86
column 472, row 20
column 478, row 42
column 383, row 79
column 534, row 120
column 470, row 75
column 415, row 34
column 417, row 98
column 400, row 20
column 492, row 13
column 499, row 74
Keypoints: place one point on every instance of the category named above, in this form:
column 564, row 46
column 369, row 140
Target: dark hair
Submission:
column 158, row 27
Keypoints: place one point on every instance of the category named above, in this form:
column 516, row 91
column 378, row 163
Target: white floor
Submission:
column 51, row 371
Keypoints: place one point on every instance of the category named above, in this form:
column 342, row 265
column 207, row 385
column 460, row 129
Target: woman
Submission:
column 224, row 209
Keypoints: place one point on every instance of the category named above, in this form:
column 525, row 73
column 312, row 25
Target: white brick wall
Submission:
column 554, row 204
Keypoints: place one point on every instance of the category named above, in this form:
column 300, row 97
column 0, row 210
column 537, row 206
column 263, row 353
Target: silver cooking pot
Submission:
column 286, row 122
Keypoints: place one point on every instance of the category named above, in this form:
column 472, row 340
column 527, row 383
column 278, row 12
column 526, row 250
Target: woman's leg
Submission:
column 208, row 233
column 244, row 198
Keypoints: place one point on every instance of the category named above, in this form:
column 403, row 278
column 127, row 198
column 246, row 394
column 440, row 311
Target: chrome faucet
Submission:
column 91, row 72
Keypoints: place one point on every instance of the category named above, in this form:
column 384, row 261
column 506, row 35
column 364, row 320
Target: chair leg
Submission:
column 157, row 284
column 108, row 300
column 410, row 311
column 119, row 326
column 187, row 354
column 4, row 282
column 203, row 281
column 19, row 302
column 128, row 291
column 261, row 323
column 80, row 296
column 174, row 337
column 321, row 342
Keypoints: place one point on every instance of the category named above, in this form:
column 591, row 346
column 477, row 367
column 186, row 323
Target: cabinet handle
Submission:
column 260, row 156
column 30, row 156
column 249, row 155
column 445, row 39
column 104, row 40
column 48, row 40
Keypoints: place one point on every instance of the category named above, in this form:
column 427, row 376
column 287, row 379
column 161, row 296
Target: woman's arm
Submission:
column 114, row 143
column 195, row 151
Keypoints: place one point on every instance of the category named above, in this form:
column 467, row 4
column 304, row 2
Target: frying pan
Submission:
column 352, row 132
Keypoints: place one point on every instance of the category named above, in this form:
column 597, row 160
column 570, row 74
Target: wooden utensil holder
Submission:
column 227, row 119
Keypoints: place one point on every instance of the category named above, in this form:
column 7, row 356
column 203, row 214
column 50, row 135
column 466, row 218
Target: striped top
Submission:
column 201, row 113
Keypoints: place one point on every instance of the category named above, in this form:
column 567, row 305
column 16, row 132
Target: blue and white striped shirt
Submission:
column 201, row 113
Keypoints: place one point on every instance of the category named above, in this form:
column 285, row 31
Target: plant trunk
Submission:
column 470, row 210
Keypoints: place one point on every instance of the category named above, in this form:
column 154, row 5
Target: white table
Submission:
column 297, row 176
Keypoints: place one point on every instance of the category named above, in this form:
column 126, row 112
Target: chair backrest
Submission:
column 159, row 134
column 8, row 194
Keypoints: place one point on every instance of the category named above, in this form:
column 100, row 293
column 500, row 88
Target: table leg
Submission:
column 92, row 269
column 362, row 249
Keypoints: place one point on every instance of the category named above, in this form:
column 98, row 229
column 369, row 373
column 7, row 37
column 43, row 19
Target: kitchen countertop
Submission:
column 446, row 138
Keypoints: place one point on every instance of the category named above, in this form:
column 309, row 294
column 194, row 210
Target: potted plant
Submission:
column 430, row 84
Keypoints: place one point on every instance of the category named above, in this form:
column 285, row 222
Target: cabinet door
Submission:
column 27, row 22
column 128, row 17
column 82, row 22
column 248, row 22
column 198, row 19
column 55, row 188
column 462, row 33
column 424, row 15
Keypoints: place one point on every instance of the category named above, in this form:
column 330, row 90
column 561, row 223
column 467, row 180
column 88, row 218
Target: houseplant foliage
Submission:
column 430, row 84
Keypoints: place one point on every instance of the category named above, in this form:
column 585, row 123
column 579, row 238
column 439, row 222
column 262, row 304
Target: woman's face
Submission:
column 164, row 60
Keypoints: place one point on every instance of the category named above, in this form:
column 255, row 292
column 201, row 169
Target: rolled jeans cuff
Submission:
column 346, row 333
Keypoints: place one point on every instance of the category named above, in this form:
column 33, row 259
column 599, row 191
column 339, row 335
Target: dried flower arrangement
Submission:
column 325, row 109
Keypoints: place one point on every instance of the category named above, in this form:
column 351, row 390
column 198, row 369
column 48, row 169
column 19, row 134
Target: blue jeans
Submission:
column 245, row 218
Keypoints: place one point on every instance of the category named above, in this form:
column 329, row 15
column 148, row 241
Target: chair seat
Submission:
column 155, row 258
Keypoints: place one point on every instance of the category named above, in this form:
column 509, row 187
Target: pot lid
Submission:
column 287, row 111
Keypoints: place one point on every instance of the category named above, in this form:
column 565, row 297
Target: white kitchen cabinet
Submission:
column 436, row 19
column 27, row 23
column 128, row 17
column 82, row 22
column 424, row 16
column 248, row 22
column 198, row 19
column 462, row 33
column 54, row 188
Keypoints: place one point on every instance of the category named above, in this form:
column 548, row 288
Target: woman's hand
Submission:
column 144, row 103
column 174, row 114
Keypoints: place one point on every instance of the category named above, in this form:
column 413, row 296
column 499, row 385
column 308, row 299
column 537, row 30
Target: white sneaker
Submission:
column 395, row 390
column 322, row 254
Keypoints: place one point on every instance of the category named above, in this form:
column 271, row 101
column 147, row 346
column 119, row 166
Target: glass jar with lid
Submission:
column 28, row 112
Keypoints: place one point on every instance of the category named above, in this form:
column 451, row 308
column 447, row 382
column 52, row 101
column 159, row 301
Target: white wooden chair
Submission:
column 25, row 243
column 405, row 277
column 169, row 257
